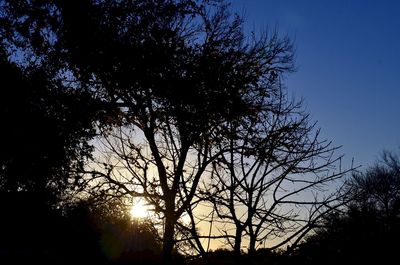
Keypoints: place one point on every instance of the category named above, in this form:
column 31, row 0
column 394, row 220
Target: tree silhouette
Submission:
column 176, row 72
column 45, row 138
column 366, row 230
column 47, row 132
column 175, row 117
column 271, row 184
column 378, row 187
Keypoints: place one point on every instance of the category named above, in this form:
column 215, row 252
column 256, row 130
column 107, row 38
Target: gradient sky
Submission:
column 347, row 57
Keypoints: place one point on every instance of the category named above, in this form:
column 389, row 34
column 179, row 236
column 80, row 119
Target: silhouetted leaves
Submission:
column 46, row 131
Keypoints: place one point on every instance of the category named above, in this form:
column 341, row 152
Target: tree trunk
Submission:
column 238, row 242
column 252, row 247
column 168, row 240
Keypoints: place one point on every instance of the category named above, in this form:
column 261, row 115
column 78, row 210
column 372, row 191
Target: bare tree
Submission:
column 272, row 183
column 378, row 187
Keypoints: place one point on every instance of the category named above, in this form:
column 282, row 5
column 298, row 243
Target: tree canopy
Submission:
column 46, row 134
column 175, row 92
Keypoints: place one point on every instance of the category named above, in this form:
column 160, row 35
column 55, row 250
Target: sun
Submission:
column 139, row 209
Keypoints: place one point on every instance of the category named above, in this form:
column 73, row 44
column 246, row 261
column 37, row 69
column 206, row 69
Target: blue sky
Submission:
column 347, row 57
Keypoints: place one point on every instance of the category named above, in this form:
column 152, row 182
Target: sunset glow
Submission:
column 139, row 209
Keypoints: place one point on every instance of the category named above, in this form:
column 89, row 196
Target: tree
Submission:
column 364, row 230
column 163, row 151
column 271, row 184
column 44, row 137
column 378, row 187
column 47, row 132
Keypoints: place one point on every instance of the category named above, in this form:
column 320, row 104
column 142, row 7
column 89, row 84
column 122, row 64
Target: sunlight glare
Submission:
column 139, row 210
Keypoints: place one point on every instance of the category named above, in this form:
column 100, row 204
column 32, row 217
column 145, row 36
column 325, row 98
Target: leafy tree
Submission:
column 44, row 138
column 46, row 133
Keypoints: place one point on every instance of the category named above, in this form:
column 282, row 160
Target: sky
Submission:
column 348, row 73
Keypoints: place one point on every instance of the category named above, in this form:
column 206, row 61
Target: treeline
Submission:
column 169, row 101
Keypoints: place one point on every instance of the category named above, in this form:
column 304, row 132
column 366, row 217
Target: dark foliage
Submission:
column 45, row 132
column 32, row 232
column 367, row 231
column 359, row 237
column 44, row 140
